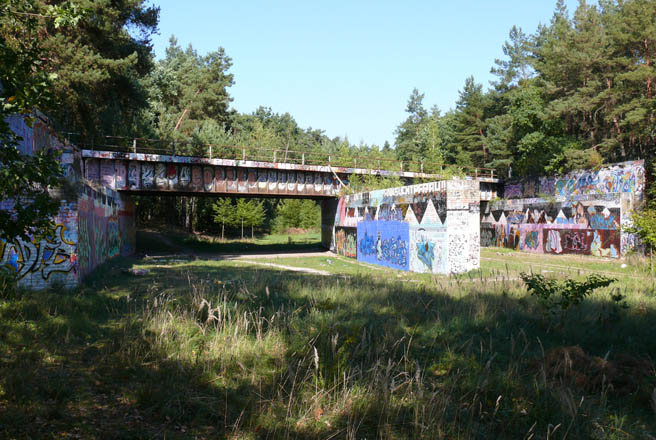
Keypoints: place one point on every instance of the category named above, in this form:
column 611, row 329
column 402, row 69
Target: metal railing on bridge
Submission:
column 279, row 155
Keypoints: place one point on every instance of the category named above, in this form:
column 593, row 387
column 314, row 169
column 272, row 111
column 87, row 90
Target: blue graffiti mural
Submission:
column 395, row 251
column 425, row 253
column 531, row 240
column 599, row 221
column 367, row 246
column 385, row 243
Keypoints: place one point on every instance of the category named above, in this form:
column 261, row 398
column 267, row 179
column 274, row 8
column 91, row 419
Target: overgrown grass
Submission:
column 215, row 349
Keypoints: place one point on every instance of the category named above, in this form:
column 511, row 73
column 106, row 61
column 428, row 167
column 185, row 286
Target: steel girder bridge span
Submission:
column 153, row 173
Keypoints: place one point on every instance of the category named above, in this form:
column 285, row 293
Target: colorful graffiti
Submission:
column 394, row 250
column 106, row 227
column 626, row 177
column 36, row 136
column 147, row 175
column 584, row 215
column 168, row 176
column 531, row 240
column 385, row 243
column 426, row 252
column 427, row 249
column 134, row 181
column 600, row 243
column 346, row 242
column 97, row 224
column 161, row 176
column 121, row 171
column 410, row 228
column 185, row 176
column 367, row 245
column 512, row 190
column 107, row 173
column 44, row 257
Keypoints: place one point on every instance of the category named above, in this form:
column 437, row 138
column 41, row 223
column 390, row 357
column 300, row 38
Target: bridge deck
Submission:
column 144, row 173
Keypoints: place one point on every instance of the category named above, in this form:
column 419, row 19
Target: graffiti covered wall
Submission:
column 43, row 261
column 431, row 227
column 579, row 213
column 346, row 241
column 92, row 225
column 125, row 175
column 106, row 227
column 39, row 263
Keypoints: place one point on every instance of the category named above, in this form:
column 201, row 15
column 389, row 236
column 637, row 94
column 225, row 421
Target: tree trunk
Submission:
column 252, row 233
column 177, row 125
column 193, row 214
column 183, row 213
column 186, row 213
column 222, row 230
column 242, row 229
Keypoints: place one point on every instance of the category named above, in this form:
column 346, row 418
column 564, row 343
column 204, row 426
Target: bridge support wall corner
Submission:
column 96, row 225
column 106, row 227
column 328, row 219
column 430, row 228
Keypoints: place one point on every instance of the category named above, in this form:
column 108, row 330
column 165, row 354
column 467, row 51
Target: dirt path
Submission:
column 280, row 266
column 265, row 255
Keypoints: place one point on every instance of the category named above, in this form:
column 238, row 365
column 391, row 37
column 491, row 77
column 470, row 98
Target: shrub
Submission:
column 557, row 297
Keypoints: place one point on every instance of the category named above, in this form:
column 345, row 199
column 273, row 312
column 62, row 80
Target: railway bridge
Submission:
column 96, row 220
column 296, row 175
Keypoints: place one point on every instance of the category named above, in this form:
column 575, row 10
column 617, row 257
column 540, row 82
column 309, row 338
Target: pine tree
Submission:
column 99, row 63
column 631, row 86
column 189, row 90
column 470, row 122
column 518, row 66
column 407, row 147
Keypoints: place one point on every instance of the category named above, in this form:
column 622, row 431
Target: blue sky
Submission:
column 348, row 67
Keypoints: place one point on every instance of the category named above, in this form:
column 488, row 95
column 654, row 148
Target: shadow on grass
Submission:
column 274, row 354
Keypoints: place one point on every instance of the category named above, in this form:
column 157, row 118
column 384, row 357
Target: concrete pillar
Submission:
column 328, row 214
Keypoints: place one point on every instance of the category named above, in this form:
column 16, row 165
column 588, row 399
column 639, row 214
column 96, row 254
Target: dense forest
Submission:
column 578, row 92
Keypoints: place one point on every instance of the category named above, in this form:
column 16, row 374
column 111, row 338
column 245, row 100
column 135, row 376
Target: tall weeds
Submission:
column 354, row 358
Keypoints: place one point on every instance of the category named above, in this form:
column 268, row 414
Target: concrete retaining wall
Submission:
column 93, row 224
column 431, row 227
column 579, row 213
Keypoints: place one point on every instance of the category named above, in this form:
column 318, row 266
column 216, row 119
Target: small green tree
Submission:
column 295, row 213
column 644, row 225
column 310, row 215
column 242, row 214
column 256, row 215
column 224, row 213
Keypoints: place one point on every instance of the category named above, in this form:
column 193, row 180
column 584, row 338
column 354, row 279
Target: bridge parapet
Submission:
column 143, row 172
column 281, row 156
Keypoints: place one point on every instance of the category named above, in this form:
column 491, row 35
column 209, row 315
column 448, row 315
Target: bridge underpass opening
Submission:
column 211, row 218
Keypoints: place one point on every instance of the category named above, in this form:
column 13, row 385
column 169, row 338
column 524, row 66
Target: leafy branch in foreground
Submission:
column 24, row 182
column 555, row 296
column 644, row 226
column 24, row 85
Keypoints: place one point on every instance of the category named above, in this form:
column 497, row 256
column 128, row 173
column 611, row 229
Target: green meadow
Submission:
column 227, row 349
